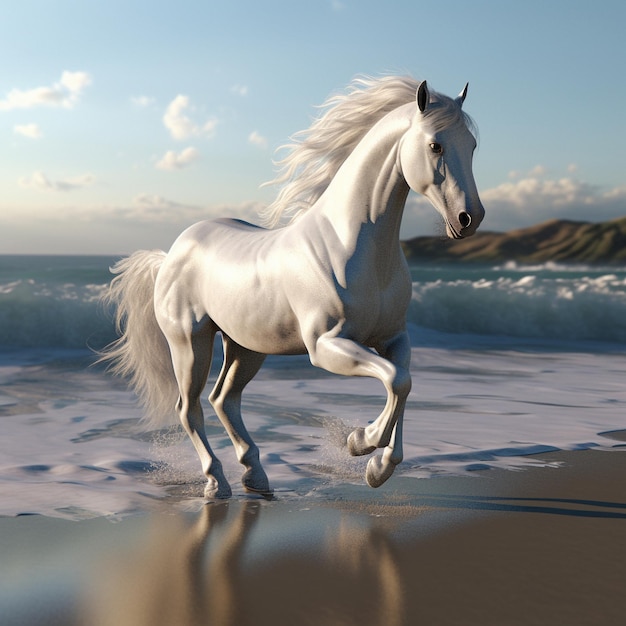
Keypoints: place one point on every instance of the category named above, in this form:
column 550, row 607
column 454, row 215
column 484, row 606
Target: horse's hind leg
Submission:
column 191, row 358
column 240, row 366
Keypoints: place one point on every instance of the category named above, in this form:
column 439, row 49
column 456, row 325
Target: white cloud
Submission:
column 531, row 200
column 40, row 182
column 150, row 208
column 531, row 194
column 32, row 131
column 146, row 205
column 176, row 161
column 75, row 82
column 64, row 93
column 180, row 125
column 256, row 139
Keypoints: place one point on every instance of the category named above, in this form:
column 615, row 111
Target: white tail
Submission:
column 141, row 354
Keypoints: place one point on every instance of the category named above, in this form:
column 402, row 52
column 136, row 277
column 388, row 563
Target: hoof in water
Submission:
column 257, row 482
column 216, row 491
column 356, row 443
column 378, row 471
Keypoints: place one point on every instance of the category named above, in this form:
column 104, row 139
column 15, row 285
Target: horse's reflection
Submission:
column 220, row 571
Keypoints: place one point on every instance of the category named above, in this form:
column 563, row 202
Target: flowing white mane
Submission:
column 317, row 153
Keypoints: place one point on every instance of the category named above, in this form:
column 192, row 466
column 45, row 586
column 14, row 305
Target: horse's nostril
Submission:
column 464, row 219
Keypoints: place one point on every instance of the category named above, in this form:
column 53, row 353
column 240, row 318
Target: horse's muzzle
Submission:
column 467, row 223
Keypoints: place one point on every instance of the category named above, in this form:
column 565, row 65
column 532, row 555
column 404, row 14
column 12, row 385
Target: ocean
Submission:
column 508, row 361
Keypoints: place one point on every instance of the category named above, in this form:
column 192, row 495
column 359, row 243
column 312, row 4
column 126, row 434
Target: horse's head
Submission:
column 436, row 160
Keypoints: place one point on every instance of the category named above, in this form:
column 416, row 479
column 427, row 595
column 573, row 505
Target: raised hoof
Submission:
column 378, row 471
column 356, row 443
column 216, row 491
column 256, row 482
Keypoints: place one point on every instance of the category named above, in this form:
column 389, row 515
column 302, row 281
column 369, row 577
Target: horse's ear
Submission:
column 461, row 97
column 422, row 97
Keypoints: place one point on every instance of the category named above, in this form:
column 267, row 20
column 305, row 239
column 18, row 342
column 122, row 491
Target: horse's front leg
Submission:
column 391, row 366
column 380, row 468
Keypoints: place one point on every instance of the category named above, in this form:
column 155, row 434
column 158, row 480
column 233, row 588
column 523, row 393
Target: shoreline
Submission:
column 538, row 546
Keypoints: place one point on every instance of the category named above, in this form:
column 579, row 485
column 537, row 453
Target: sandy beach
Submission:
column 508, row 509
column 538, row 546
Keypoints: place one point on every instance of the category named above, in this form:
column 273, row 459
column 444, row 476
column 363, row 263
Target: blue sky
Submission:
column 122, row 122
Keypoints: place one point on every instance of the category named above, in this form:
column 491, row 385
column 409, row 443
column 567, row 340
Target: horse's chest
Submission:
column 379, row 309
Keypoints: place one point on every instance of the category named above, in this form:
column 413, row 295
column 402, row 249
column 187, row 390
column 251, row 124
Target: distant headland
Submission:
column 555, row 240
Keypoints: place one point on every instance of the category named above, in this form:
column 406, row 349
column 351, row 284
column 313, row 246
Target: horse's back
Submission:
column 223, row 231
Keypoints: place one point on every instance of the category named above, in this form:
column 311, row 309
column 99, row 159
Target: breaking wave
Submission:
column 549, row 303
column 56, row 301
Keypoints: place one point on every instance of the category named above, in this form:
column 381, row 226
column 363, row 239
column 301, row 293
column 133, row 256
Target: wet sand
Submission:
column 539, row 546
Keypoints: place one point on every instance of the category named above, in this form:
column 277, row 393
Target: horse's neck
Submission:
column 368, row 193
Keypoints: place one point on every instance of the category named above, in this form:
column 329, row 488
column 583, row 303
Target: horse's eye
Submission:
column 436, row 148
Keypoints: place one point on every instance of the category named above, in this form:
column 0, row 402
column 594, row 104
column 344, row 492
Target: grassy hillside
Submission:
column 555, row 240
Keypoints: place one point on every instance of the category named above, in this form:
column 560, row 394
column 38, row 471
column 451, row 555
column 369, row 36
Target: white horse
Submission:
column 333, row 282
